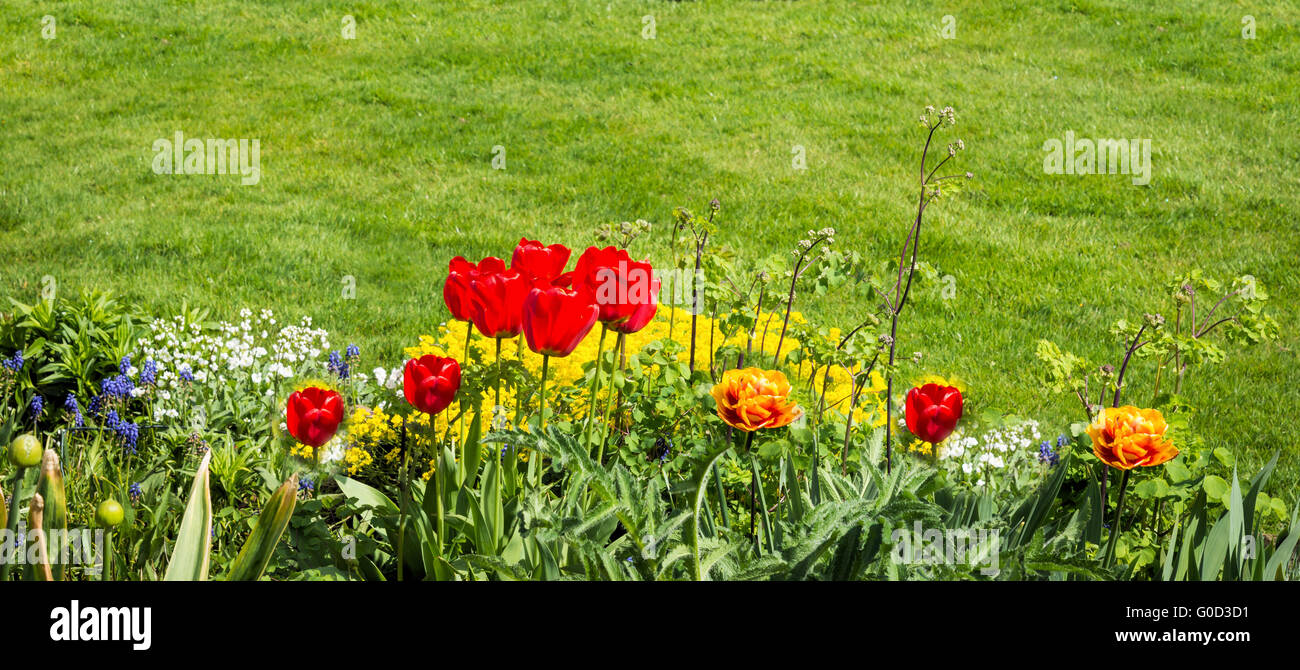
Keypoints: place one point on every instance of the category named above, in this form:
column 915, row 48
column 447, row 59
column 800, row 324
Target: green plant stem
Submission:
column 105, row 569
column 497, row 402
column 469, row 334
column 519, row 398
column 1114, row 526
column 438, row 473
column 546, row 362
column 848, row 422
column 401, row 514
column 695, row 291
column 600, row 453
column 12, row 523
column 595, row 383
column 753, row 492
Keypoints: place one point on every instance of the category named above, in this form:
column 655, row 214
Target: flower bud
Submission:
column 109, row 513
column 25, row 451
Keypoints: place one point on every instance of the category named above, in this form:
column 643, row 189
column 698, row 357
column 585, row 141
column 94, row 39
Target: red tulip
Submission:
column 644, row 312
column 617, row 283
column 537, row 262
column 313, row 415
column 498, row 296
column 430, row 382
column 933, row 411
column 456, row 290
column 556, row 319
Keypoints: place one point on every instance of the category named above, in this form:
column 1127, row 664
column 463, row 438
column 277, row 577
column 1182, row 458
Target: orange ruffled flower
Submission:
column 1128, row 437
column 751, row 399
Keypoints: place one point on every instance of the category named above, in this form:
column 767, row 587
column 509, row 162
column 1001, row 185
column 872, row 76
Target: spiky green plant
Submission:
column 193, row 550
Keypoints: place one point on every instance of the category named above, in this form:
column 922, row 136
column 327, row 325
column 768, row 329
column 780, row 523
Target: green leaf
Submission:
column 190, row 558
column 473, row 451
column 1215, row 487
column 366, row 496
column 1282, row 557
column 251, row 562
column 1216, row 550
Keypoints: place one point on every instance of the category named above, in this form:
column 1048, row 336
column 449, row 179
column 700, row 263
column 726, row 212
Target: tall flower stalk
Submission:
column 816, row 238
column 700, row 230
column 932, row 121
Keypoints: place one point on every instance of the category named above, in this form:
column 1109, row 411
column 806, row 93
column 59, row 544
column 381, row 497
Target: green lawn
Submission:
column 376, row 160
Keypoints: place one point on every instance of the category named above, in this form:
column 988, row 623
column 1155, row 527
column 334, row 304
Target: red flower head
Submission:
column 556, row 319
column 617, row 284
column 537, row 262
column 456, row 290
column 933, row 411
column 644, row 312
column 430, row 382
column 313, row 415
column 498, row 299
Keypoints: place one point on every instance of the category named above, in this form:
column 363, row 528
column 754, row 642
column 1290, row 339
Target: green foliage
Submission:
column 70, row 343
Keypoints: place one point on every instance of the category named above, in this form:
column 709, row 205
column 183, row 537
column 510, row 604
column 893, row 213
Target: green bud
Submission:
column 25, row 451
column 109, row 513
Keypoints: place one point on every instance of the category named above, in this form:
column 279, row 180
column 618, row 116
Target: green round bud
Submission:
column 109, row 513
column 25, row 451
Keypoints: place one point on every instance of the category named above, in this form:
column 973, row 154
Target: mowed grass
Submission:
column 376, row 159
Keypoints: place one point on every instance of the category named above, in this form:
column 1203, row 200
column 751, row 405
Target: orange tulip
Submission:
column 1128, row 437
column 751, row 399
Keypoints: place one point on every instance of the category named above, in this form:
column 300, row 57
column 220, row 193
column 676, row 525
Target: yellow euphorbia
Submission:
column 450, row 341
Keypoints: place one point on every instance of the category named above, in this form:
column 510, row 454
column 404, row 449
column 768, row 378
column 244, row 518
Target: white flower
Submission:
column 333, row 450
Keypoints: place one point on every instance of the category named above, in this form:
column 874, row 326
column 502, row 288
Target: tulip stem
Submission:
column 469, row 334
column 595, row 382
column 604, row 437
column 1114, row 526
column 519, row 397
column 401, row 523
column 546, row 363
column 438, row 473
column 753, row 491
column 497, row 401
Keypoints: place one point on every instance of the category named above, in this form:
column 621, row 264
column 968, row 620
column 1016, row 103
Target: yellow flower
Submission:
column 670, row 323
column 356, row 459
column 752, row 398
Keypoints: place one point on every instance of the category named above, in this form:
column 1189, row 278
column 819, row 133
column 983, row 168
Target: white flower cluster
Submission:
column 391, row 380
column 1001, row 453
column 256, row 348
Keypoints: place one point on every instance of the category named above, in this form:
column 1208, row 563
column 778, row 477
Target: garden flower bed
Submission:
column 587, row 418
